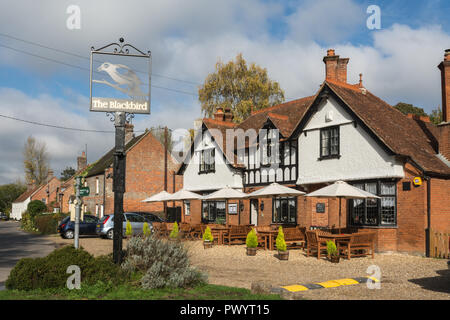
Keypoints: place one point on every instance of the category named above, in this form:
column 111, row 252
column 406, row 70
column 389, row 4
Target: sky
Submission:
column 186, row 38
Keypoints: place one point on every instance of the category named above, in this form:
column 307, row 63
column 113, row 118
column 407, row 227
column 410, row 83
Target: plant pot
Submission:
column 334, row 259
column 251, row 251
column 207, row 244
column 283, row 255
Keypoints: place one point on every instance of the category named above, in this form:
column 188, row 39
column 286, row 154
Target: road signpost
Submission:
column 123, row 95
column 84, row 191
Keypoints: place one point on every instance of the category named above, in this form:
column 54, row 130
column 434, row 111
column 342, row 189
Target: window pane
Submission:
column 358, row 212
column 388, row 210
column 284, row 210
column 387, row 188
column 325, row 142
column 276, row 212
column 292, row 211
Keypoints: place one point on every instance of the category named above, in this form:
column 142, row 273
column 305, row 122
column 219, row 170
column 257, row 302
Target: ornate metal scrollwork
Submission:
column 121, row 48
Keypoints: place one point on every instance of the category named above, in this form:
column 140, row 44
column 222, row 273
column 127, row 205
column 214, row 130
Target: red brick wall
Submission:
column 53, row 186
column 440, row 205
column 444, row 139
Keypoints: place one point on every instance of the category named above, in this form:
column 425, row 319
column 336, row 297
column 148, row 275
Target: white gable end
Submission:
column 360, row 156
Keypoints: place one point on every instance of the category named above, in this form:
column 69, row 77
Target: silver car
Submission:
column 105, row 227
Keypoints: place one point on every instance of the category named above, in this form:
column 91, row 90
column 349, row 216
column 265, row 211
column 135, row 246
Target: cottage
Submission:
column 342, row 132
column 144, row 176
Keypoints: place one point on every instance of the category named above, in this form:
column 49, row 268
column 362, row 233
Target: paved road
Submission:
column 16, row 244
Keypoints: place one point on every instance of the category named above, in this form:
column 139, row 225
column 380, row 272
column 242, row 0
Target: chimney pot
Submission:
column 335, row 67
column 330, row 52
column 81, row 161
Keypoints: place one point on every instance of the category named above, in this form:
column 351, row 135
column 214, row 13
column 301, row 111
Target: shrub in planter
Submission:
column 252, row 242
column 163, row 263
column 129, row 229
column 283, row 254
column 50, row 271
column 174, row 233
column 333, row 253
column 207, row 238
column 146, row 230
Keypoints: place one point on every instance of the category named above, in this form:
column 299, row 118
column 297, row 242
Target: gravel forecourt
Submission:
column 402, row 276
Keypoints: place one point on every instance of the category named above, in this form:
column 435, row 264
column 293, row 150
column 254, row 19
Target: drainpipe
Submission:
column 428, row 229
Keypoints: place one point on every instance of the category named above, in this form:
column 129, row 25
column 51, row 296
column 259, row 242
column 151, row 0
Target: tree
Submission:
column 9, row 193
column 436, row 115
column 240, row 88
column 36, row 207
column 67, row 173
column 406, row 108
column 36, row 161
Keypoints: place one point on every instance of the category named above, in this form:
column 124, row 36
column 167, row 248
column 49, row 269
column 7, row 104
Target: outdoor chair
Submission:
column 315, row 244
column 185, row 230
column 196, row 231
column 159, row 229
column 360, row 244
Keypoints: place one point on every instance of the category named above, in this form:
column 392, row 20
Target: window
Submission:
column 101, row 211
column 213, row 212
column 329, row 142
column 375, row 212
column 96, row 210
column 284, row 210
column 97, row 186
column 269, row 147
column 187, row 208
column 135, row 218
column 207, row 161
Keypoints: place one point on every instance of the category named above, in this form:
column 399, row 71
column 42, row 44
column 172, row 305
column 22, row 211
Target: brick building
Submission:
column 144, row 176
column 342, row 132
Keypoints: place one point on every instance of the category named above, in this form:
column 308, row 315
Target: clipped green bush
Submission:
column 146, row 230
column 163, row 263
column 27, row 222
column 36, row 207
column 174, row 233
column 50, row 271
column 252, row 239
column 331, row 249
column 129, row 229
column 207, row 235
column 280, row 243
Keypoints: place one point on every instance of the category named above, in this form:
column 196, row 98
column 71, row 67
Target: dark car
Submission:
column 150, row 216
column 87, row 226
column 3, row 216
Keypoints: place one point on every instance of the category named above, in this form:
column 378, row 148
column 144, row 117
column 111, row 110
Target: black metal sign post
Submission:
column 119, row 184
column 124, row 79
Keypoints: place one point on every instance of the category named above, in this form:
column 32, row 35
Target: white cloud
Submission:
column 186, row 39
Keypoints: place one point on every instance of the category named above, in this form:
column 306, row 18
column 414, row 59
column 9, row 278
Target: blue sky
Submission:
column 186, row 38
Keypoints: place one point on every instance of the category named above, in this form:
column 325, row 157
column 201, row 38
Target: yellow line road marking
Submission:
column 295, row 288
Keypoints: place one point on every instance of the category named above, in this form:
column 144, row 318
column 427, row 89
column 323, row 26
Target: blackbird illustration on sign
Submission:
column 122, row 76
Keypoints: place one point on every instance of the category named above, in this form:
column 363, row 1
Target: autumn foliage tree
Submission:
column 239, row 87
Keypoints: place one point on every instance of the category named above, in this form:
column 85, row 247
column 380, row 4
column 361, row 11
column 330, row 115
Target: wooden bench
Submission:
column 360, row 244
column 237, row 234
column 294, row 237
column 315, row 244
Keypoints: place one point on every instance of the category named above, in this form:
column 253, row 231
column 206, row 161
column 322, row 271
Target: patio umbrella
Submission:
column 275, row 189
column 341, row 189
column 183, row 195
column 160, row 196
column 225, row 194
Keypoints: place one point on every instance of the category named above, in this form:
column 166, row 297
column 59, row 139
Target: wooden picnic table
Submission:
column 219, row 231
column 268, row 235
column 336, row 238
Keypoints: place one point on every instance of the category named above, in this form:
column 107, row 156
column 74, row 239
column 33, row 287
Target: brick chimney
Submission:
column 81, row 161
column 129, row 132
column 218, row 115
column 444, row 66
column 335, row 67
column 444, row 126
column 50, row 175
column 228, row 115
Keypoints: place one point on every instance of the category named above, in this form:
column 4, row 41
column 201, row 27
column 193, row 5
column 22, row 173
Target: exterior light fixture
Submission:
column 261, row 206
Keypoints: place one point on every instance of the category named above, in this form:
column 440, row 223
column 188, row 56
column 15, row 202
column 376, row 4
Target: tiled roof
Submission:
column 107, row 160
column 27, row 194
column 401, row 134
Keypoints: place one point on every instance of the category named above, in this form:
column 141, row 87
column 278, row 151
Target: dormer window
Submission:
column 269, row 147
column 329, row 143
column 207, row 161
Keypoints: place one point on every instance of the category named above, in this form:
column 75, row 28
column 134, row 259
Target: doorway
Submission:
column 254, row 212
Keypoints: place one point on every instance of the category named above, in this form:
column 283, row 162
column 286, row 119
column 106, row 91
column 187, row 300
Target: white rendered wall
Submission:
column 19, row 208
column 223, row 176
column 361, row 157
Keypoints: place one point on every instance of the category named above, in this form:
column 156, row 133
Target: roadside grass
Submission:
column 103, row 291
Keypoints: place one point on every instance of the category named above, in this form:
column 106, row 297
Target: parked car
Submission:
column 3, row 216
column 105, row 227
column 87, row 226
column 151, row 216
